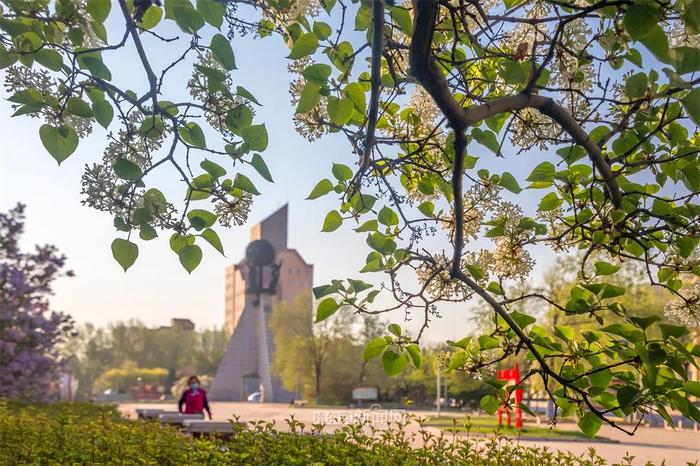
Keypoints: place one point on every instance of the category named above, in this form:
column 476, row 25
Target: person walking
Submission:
column 194, row 398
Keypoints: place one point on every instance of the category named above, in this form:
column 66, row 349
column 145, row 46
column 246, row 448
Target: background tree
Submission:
column 30, row 332
column 304, row 351
column 94, row 352
column 574, row 86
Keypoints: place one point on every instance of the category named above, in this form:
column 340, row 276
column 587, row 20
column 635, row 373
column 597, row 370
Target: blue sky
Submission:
column 157, row 288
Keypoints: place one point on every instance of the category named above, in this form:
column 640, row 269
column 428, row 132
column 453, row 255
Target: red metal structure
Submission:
column 512, row 375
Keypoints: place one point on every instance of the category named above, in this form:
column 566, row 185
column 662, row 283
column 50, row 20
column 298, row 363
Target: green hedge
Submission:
column 89, row 434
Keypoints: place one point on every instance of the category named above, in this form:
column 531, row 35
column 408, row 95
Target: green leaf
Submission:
column 238, row 118
column 213, row 12
column 213, row 168
column 49, row 58
column 192, row 134
column 668, row 330
column 495, row 288
column 691, row 104
column 636, row 85
column 427, row 208
column 326, row 308
column 126, row 170
column 104, row 113
column 685, row 59
column 564, row 332
column 261, row 167
column 374, row 348
column 59, row 141
column 356, row 93
column 414, row 353
column 221, row 48
column 359, row 286
column 388, row 217
column 340, row 110
column 523, row 320
column 152, row 127
column 639, row 19
column 488, row 342
column 601, row 379
column 243, row 92
column 394, row 363
column 318, row 73
column 363, row 18
column 322, row 30
column 686, row 246
column 309, row 97
column 211, row 237
column 626, row 331
column 603, row 268
column 395, row 329
column 200, row 218
column 147, row 232
column 322, row 188
column 550, row 202
column 489, row 404
column 190, row 256
column 589, row 424
column 341, row 172
column 369, row 225
column 509, row 182
column 97, row 67
column 515, row 72
column 304, row 46
column 692, row 387
column 99, row 9
column 255, row 136
column 626, row 396
column 362, row 203
column 332, row 221
column 151, row 18
column 543, row 173
column 186, row 17
column 243, row 182
column 402, row 18
column 657, row 43
column 124, row 252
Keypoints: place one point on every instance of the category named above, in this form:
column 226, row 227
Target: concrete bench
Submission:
column 300, row 403
column 177, row 418
column 209, row 427
column 148, row 413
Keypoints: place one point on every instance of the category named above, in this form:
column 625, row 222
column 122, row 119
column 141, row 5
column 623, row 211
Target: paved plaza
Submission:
column 649, row 444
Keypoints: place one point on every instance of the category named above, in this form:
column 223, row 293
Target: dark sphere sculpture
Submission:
column 260, row 253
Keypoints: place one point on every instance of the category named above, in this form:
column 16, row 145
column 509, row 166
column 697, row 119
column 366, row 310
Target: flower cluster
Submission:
column 686, row 309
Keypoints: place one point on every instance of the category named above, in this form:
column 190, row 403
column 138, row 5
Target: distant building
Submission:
column 246, row 366
column 185, row 325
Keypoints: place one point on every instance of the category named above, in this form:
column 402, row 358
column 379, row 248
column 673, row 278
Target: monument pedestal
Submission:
column 247, row 359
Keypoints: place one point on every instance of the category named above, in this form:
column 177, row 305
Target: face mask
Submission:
column 194, row 386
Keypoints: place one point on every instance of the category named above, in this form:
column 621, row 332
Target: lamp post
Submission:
column 437, row 402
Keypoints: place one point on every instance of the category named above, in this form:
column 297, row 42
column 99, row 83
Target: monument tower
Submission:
column 271, row 272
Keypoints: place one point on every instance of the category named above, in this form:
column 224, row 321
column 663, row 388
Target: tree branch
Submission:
column 426, row 71
column 375, row 80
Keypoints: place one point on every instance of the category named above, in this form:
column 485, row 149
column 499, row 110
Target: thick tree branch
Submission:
column 426, row 71
column 375, row 80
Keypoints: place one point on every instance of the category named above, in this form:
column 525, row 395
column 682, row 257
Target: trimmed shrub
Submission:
column 91, row 434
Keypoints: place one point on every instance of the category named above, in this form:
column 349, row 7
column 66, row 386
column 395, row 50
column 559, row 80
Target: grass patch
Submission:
column 488, row 426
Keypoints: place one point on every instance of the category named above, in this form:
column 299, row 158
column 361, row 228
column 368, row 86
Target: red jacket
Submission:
column 195, row 403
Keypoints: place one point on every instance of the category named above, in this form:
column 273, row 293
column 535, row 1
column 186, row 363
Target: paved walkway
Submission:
column 648, row 444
